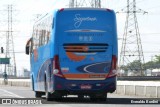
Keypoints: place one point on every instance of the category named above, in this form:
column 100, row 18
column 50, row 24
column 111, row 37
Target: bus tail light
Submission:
column 113, row 70
column 60, row 10
column 56, row 66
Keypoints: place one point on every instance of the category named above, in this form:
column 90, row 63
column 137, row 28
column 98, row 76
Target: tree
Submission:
column 150, row 65
column 135, row 65
column 157, row 58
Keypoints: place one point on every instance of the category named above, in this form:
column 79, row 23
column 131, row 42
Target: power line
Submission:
column 157, row 34
column 140, row 1
column 151, row 51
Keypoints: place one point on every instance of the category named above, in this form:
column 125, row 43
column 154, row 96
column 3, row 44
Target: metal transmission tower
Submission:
column 131, row 46
column 11, row 68
column 85, row 3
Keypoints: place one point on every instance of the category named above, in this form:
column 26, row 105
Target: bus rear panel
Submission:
column 85, row 51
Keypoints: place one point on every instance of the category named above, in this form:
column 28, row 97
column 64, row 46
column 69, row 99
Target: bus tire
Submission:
column 56, row 96
column 49, row 96
column 103, row 97
column 80, row 96
column 93, row 97
column 32, row 83
column 100, row 97
column 38, row 94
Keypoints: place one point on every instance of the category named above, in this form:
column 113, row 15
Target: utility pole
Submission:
column 85, row 3
column 131, row 45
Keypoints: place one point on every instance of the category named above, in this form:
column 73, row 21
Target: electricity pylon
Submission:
column 85, row 3
column 10, row 68
column 131, row 50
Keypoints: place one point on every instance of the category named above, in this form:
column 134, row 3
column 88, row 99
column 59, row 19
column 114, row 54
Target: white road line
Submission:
column 62, row 105
column 11, row 94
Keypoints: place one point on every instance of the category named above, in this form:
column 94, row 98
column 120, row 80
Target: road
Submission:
column 113, row 99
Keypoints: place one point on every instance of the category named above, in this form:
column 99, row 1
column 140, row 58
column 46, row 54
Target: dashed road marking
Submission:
column 8, row 93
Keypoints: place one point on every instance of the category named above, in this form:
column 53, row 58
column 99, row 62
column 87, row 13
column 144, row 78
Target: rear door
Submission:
column 85, row 41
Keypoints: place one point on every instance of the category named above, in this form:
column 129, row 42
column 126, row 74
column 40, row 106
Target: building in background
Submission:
column 155, row 72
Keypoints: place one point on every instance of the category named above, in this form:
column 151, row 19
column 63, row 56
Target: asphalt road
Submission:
column 114, row 100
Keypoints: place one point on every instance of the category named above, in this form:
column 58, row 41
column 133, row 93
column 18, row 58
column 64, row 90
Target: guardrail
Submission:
column 120, row 78
column 16, row 82
column 139, row 78
column 150, row 89
column 13, row 77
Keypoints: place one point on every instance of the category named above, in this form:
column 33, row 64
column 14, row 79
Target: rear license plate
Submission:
column 86, row 87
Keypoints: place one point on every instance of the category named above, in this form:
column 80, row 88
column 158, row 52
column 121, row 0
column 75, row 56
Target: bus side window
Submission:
column 52, row 24
column 43, row 33
column 31, row 48
column 40, row 38
column 37, row 39
column 48, row 36
column 43, row 36
column 34, row 38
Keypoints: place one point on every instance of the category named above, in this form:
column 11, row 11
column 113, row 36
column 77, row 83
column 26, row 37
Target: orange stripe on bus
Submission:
column 75, row 57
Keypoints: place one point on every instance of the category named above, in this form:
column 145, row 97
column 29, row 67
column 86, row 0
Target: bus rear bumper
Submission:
column 84, row 86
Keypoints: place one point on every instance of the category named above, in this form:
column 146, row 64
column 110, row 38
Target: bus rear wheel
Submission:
column 49, row 96
column 80, row 96
column 38, row 94
column 52, row 96
column 98, row 97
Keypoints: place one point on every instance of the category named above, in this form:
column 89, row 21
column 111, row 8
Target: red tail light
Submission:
column 113, row 70
column 56, row 67
column 114, row 62
column 60, row 10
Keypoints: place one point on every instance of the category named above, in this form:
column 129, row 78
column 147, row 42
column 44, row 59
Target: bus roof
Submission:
column 102, row 9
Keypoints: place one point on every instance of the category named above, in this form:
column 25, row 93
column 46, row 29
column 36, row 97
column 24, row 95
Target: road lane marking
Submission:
column 11, row 94
column 62, row 105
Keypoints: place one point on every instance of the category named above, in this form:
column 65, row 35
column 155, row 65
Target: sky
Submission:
column 24, row 15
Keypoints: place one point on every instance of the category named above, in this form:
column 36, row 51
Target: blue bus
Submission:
column 73, row 51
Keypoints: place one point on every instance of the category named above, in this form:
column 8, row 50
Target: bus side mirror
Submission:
column 28, row 46
column 27, row 50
